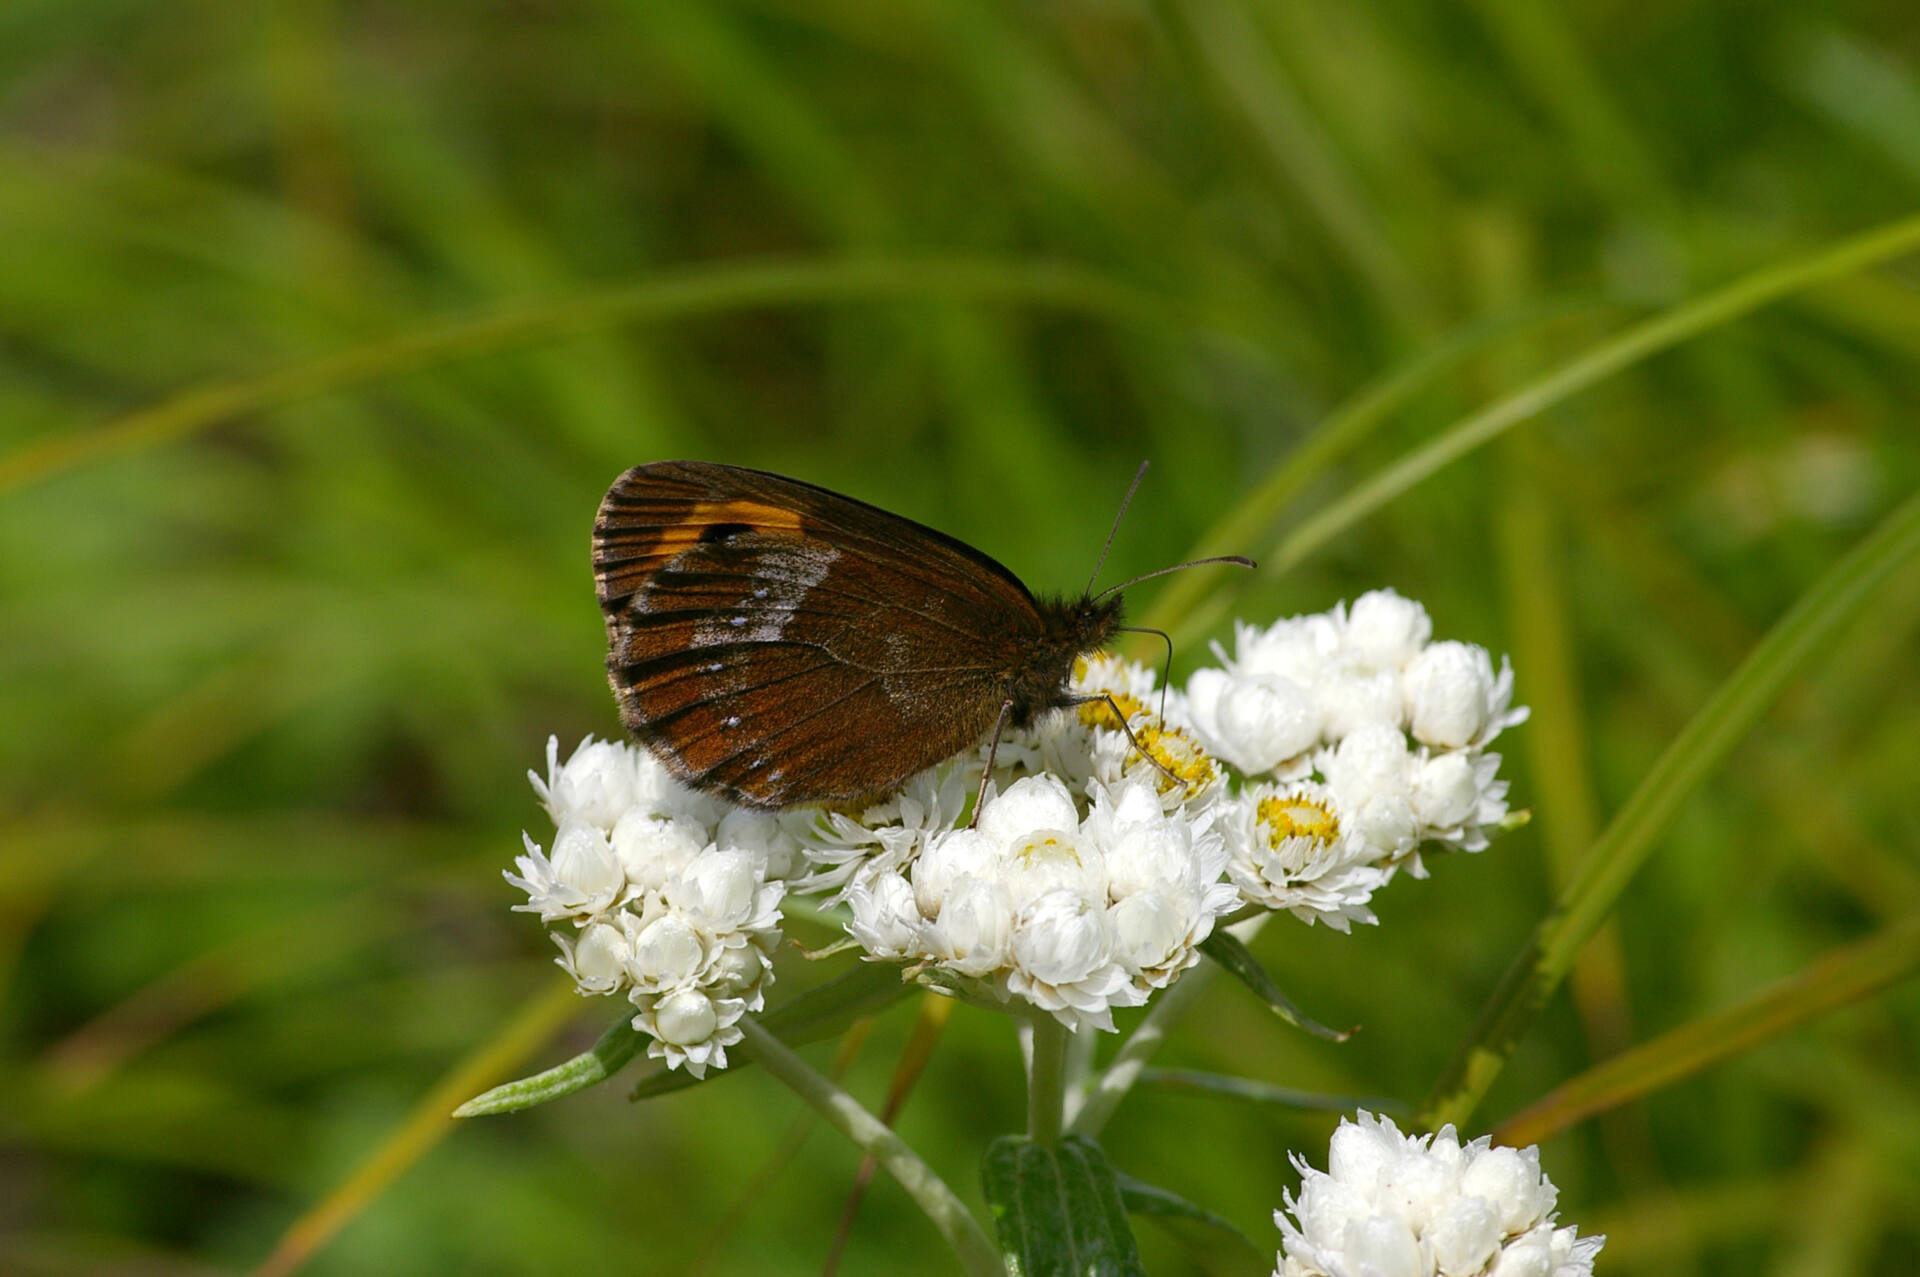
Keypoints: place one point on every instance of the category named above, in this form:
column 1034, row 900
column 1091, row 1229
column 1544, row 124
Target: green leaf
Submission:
column 606, row 1057
column 820, row 1012
column 1256, row 1092
column 1224, row 948
column 1058, row 1209
column 1199, row 1231
column 1840, row 978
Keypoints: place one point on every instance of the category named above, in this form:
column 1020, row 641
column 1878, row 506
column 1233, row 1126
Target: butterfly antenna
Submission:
column 1235, row 559
column 1166, row 671
column 1125, row 501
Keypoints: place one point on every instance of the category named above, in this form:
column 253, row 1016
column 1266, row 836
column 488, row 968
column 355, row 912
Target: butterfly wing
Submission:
column 781, row 644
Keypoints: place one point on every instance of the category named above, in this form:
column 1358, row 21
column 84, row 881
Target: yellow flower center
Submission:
column 1176, row 751
column 1297, row 816
column 1100, row 713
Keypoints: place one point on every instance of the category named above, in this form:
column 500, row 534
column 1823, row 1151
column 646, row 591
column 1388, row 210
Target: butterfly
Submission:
column 780, row 644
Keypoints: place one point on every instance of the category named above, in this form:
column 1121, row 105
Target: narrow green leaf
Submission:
column 1245, row 1088
column 1199, row 1231
column 667, row 295
column 1536, row 971
column 1058, row 1209
column 1650, row 337
column 602, row 1060
column 818, row 1013
column 1190, row 604
column 1226, row 950
column 1839, row 979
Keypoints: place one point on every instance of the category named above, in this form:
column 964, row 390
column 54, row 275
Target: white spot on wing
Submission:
column 896, row 645
column 792, row 570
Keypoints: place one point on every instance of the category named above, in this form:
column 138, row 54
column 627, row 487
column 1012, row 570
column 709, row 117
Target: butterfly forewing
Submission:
column 783, row 644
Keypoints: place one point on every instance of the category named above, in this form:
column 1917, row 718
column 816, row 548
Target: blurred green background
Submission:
column 323, row 327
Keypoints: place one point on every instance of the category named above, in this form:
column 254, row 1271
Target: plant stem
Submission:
column 976, row 1250
column 1046, row 1081
column 1171, row 1007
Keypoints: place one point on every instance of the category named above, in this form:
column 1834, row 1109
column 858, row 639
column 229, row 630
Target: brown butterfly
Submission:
column 780, row 644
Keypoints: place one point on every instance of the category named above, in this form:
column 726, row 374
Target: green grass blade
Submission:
column 1536, row 972
column 1662, row 332
column 668, row 296
column 1839, row 979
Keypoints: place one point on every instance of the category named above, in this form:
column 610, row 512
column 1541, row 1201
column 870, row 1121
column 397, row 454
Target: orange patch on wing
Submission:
column 663, row 544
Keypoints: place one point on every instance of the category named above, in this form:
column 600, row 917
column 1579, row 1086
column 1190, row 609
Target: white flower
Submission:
column 886, row 921
column 669, row 952
column 581, row 880
column 1124, row 680
column 690, row 1029
column 1163, row 879
column 772, row 837
column 1425, row 1206
column 1384, row 631
column 1143, row 846
column 740, row 972
column 1386, row 824
column 1350, row 700
column 1369, row 777
column 1454, row 699
column 597, row 961
column 1182, row 773
column 1032, row 834
column 1297, row 648
column 655, row 850
column 1457, row 796
column 656, row 791
column 685, row 927
column 948, row 858
column 1288, row 848
column 889, row 834
column 1372, row 760
column 593, row 787
column 1063, row 961
column 1155, row 933
column 1076, row 915
column 1253, row 721
column 1032, row 803
column 974, row 932
column 720, row 891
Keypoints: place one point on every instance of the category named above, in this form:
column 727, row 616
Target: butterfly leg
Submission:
column 1132, row 740
column 993, row 749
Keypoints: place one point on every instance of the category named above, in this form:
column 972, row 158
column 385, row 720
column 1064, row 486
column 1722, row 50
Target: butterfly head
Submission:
column 1071, row 628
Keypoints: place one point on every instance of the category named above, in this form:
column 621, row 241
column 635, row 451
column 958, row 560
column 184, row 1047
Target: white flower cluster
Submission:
column 1360, row 741
column 1393, row 1205
column 1300, row 775
column 1094, row 873
column 1073, row 911
column 673, row 897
